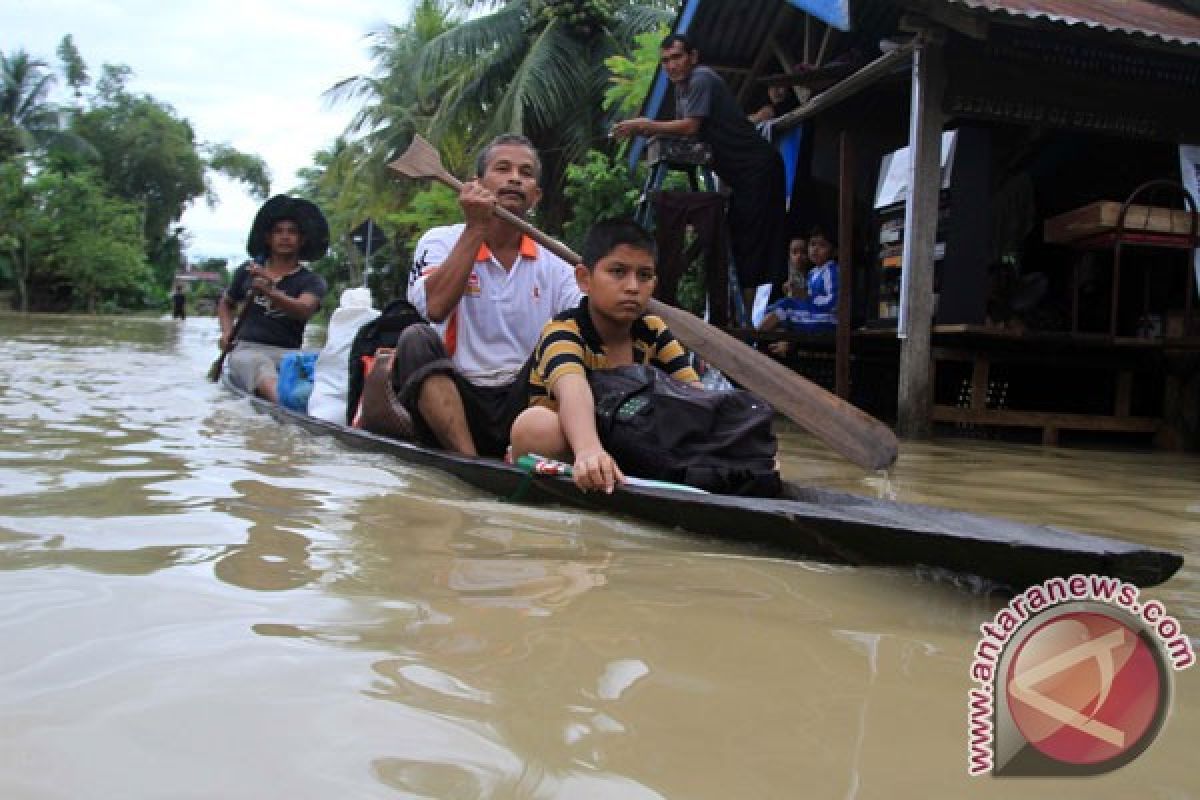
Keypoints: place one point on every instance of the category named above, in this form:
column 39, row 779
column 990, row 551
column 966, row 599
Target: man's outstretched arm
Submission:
column 642, row 126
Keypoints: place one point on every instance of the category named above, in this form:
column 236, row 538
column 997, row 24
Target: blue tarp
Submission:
column 789, row 147
column 831, row 12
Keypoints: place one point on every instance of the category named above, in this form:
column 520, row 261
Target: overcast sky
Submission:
column 249, row 73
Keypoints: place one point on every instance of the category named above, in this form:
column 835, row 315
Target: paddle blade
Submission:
column 214, row 372
column 421, row 160
column 845, row 428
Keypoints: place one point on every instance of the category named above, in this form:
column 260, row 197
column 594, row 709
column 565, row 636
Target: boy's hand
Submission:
column 596, row 469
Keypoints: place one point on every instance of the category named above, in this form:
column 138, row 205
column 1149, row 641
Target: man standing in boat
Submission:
column 281, row 294
column 707, row 110
column 487, row 289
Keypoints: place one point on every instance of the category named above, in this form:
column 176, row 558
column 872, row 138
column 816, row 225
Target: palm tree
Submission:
column 392, row 109
column 534, row 67
column 29, row 120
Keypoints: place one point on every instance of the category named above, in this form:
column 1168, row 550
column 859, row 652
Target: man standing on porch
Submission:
column 706, row 109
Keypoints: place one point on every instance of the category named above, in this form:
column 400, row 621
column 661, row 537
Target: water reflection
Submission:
column 529, row 696
column 271, row 560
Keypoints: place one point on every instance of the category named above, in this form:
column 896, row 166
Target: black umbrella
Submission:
column 304, row 213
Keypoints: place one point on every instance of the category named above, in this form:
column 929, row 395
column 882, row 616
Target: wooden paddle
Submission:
column 214, row 372
column 846, row 429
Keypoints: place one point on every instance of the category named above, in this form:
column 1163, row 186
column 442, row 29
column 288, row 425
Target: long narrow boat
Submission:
column 806, row 522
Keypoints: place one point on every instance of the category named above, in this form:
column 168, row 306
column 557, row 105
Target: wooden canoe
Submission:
column 806, row 522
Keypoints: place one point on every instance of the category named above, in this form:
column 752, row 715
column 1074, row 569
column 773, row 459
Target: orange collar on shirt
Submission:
column 528, row 249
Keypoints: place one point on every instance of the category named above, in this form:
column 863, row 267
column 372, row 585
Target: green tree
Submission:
column 431, row 206
column 28, row 120
column 245, row 168
column 599, row 188
column 126, row 158
column 67, row 242
column 20, row 224
column 73, row 66
column 392, row 109
column 633, row 75
column 536, row 67
column 150, row 156
column 98, row 250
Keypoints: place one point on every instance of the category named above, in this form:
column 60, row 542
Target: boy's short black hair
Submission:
column 609, row 234
column 818, row 230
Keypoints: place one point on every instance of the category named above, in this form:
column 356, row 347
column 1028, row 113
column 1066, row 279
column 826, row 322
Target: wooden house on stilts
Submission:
column 1014, row 183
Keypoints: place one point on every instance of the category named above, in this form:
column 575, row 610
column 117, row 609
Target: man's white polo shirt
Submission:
column 495, row 327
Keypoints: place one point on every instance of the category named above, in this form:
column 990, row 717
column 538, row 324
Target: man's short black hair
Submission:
column 609, row 234
column 485, row 155
column 688, row 47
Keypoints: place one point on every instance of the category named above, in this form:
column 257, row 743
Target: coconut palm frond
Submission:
column 552, row 83
column 350, row 89
column 503, row 31
column 634, row 19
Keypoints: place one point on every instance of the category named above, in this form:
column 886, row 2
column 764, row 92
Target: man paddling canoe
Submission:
column 488, row 290
column 281, row 294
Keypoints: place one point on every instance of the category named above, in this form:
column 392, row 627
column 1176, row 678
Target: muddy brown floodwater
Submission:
column 196, row 602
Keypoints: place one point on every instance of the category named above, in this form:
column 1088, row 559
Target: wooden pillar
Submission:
column 845, row 267
column 915, row 397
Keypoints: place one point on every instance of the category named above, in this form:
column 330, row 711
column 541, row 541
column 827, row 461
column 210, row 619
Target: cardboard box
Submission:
column 1102, row 218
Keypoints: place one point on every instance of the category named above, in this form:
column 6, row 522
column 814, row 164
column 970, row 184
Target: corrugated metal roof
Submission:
column 1117, row 16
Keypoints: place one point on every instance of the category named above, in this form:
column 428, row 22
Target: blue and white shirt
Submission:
column 819, row 309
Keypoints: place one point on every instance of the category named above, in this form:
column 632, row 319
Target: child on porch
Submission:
column 816, row 310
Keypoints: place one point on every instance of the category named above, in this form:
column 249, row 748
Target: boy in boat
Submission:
column 488, row 290
column 607, row 329
column 283, row 293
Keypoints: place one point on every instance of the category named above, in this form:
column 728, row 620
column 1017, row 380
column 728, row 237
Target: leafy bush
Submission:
column 600, row 188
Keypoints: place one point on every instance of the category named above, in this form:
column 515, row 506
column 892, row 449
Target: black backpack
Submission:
column 656, row 427
column 383, row 331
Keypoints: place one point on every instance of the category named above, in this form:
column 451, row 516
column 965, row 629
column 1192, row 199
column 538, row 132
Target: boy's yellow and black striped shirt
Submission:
column 569, row 344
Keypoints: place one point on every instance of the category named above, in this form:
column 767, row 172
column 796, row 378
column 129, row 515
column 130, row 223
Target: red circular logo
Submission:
column 1085, row 688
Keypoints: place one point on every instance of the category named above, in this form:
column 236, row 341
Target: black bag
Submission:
column 656, row 427
column 383, row 331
